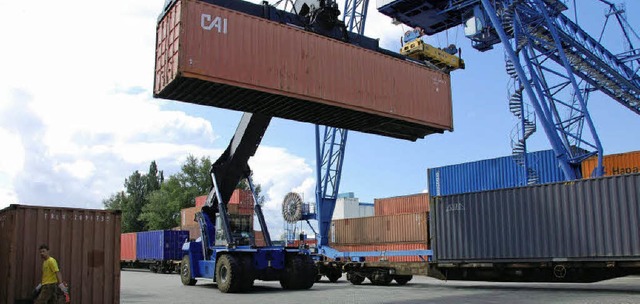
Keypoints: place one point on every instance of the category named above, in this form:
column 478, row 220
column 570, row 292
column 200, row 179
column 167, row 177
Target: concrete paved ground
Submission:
column 140, row 286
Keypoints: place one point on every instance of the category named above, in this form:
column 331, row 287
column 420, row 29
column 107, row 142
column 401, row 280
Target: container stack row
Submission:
column 400, row 223
column 505, row 172
column 240, row 209
column 159, row 250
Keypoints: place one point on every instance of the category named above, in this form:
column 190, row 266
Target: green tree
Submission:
column 115, row 202
column 154, row 177
column 194, row 178
column 161, row 212
column 151, row 202
column 135, row 186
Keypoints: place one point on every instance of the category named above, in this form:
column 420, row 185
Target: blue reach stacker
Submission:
column 232, row 260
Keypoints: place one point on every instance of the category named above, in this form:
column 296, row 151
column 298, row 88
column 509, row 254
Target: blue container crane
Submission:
column 550, row 60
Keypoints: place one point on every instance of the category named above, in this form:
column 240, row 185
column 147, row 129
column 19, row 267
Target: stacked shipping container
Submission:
column 400, row 223
column 491, row 174
column 614, row 164
column 396, row 228
column 504, row 172
column 240, row 203
column 415, row 203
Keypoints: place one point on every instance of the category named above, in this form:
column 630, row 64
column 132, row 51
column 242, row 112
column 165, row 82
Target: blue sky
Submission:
column 77, row 116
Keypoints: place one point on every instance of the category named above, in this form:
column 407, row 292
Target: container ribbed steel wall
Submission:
column 402, row 204
column 160, row 244
column 585, row 220
column 210, row 55
column 86, row 244
column 491, row 174
column 614, row 164
column 396, row 228
column 128, row 247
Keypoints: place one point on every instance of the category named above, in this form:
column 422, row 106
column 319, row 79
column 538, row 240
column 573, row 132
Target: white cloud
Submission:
column 79, row 169
column 279, row 172
column 77, row 116
column 12, row 159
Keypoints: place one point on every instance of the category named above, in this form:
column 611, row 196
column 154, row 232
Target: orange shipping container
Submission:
column 188, row 216
column 402, row 204
column 128, row 247
column 194, row 231
column 259, row 238
column 386, row 247
column 614, row 164
column 396, row 228
column 251, row 64
column 86, row 244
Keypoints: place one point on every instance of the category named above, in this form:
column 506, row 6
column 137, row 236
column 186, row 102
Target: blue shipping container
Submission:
column 492, row 174
column 160, row 244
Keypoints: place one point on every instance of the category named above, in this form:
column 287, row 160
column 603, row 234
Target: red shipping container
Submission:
column 386, row 247
column 295, row 75
column 243, row 198
column 128, row 247
column 414, row 203
column 200, row 200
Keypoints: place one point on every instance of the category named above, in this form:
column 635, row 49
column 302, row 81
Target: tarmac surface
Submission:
column 142, row 286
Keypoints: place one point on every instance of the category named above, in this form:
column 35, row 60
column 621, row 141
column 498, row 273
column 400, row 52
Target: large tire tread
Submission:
column 185, row 272
column 300, row 273
column 228, row 274
column 248, row 277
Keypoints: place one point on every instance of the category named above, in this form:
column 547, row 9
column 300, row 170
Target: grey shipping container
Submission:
column 593, row 220
column 86, row 244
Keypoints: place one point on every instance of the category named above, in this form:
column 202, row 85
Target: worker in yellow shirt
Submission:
column 51, row 279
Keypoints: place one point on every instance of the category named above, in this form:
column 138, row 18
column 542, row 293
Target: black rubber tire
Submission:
column 355, row 278
column 185, row 272
column 334, row 276
column 247, row 273
column 403, row 279
column 300, row 273
column 153, row 268
column 309, row 272
column 381, row 278
column 228, row 274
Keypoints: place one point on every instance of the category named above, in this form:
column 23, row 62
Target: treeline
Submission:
column 149, row 202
